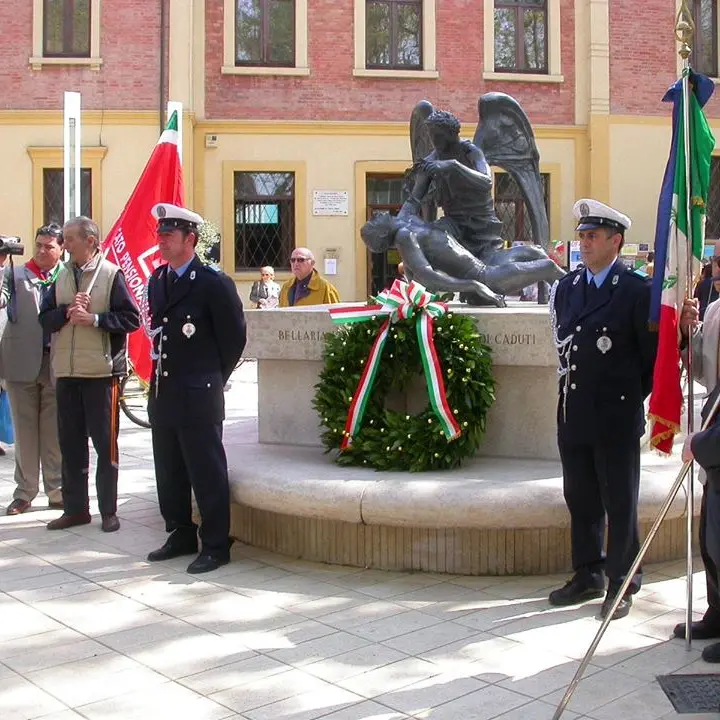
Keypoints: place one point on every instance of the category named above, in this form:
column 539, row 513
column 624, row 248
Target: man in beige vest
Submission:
column 25, row 367
column 89, row 311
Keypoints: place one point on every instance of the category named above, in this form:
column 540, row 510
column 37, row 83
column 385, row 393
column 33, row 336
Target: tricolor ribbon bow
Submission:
column 402, row 302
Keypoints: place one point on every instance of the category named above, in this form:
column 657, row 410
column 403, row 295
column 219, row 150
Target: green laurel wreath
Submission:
column 391, row 440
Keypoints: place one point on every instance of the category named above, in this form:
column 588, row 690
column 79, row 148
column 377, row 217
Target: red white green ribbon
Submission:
column 401, row 302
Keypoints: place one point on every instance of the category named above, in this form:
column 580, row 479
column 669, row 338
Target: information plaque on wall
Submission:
column 330, row 202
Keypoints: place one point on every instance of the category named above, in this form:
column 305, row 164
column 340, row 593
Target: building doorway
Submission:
column 384, row 193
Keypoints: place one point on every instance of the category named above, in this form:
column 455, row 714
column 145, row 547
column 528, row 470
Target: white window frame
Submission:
column 38, row 60
column 428, row 70
column 553, row 75
column 301, row 45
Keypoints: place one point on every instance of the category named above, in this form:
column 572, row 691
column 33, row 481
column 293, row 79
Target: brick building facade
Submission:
column 289, row 98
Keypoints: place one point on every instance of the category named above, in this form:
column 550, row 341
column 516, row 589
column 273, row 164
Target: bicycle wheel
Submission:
column 133, row 399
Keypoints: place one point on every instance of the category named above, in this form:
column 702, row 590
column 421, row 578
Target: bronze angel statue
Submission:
column 463, row 251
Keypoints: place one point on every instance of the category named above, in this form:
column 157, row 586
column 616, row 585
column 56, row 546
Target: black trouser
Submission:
column 600, row 479
column 710, row 548
column 88, row 407
column 193, row 457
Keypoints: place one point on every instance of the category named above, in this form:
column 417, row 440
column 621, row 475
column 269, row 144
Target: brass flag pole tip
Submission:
column 684, row 30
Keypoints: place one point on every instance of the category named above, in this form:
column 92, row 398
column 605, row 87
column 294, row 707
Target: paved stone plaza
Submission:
column 88, row 629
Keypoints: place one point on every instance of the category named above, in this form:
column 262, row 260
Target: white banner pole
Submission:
column 72, row 143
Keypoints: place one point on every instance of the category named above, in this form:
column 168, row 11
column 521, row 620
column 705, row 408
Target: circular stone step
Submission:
column 493, row 516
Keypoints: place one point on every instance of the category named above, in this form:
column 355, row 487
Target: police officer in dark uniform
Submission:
column 606, row 355
column 198, row 333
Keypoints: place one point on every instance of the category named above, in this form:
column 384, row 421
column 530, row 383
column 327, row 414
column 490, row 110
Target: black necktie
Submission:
column 172, row 276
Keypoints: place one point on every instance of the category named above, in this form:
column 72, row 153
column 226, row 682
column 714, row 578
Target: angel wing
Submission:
column 421, row 146
column 505, row 136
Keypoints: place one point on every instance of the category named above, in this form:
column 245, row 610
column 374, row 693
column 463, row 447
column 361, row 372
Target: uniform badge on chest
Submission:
column 188, row 329
column 604, row 343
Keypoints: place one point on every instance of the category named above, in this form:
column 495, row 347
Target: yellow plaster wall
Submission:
column 337, row 161
column 128, row 145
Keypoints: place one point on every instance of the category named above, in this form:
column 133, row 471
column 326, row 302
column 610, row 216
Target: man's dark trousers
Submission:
column 192, row 457
column 602, row 478
column 710, row 548
column 88, row 407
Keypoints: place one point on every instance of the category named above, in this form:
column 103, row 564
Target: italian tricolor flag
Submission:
column 679, row 238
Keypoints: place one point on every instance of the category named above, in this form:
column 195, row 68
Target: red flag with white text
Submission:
column 132, row 242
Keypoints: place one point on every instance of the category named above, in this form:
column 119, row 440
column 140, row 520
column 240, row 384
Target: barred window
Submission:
column 264, row 219
column 265, row 32
column 54, row 194
column 521, row 36
column 393, row 34
column 511, row 209
column 66, row 28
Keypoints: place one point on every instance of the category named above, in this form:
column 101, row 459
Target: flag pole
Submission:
column 684, row 30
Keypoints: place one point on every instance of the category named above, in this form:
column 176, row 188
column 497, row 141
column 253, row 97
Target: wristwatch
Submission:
column 96, row 321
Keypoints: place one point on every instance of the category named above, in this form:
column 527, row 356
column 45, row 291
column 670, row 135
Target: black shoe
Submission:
column 622, row 610
column 66, row 521
column 711, row 653
column 110, row 523
column 578, row 590
column 176, row 545
column 699, row 630
column 207, row 561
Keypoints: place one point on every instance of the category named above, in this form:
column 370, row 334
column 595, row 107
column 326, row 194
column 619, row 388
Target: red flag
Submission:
column 132, row 242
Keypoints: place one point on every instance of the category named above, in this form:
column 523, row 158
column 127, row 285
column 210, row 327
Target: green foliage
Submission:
column 208, row 235
column 390, row 440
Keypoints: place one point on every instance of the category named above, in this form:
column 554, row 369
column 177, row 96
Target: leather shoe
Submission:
column 59, row 505
column 622, row 610
column 17, row 507
column 175, row 546
column 711, row 653
column 579, row 589
column 66, row 521
column 206, row 562
column 699, row 630
column 110, row 523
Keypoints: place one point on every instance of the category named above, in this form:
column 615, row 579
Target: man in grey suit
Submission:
column 25, row 368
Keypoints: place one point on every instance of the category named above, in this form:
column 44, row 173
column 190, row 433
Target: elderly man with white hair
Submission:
column 307, row 287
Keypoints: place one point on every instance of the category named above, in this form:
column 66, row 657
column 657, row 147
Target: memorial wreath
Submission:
column 380, row 348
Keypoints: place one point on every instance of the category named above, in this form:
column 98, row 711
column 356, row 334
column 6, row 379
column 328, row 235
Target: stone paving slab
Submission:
column 88, row 629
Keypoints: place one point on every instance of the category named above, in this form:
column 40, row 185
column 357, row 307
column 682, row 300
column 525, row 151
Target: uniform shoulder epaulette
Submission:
column 212, row 268
column 640, row 274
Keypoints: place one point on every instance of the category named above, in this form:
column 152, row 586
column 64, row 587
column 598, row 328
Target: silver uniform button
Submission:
column 164, row 356
column 209, row 385
column 574, row 348
column 578, row 328
column 622, row 397
column 165, row 320
column 573, row 367
column 165, row 373
column 573, row 386
column 164, row 337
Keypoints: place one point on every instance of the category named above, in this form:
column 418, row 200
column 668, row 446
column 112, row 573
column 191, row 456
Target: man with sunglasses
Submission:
column 705, row 337
column 307, row 287
column 25, row 367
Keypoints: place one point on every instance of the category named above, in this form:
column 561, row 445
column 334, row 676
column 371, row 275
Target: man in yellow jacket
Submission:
column 307, row 287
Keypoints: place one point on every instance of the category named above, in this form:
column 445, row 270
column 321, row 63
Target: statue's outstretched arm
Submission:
column 479, row 174
column 414, row 203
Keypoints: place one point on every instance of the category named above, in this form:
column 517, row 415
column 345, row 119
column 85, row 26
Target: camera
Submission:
column 10, row 245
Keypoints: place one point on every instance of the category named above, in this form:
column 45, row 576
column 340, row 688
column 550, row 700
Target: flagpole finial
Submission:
column 684, row 30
